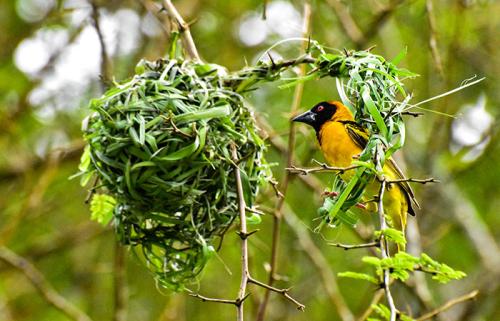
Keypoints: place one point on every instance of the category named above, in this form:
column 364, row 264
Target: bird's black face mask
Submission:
column 318, row 115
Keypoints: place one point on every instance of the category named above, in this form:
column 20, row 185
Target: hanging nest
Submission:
column 159, row 146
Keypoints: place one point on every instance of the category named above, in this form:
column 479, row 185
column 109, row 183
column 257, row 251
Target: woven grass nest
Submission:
column 159, row 147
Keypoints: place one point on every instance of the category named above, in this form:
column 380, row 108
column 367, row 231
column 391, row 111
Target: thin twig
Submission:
column 429, row 7
column 215, row 300
column 384, row 251
column 243, row 235
column 413, row 180
column 449, row 304
column 297, row 98
column 106, row 73
column 283, row 292
column 323, row 168
column 42, row 285
column 347, row 22
column 354, row 246
column 188, row 41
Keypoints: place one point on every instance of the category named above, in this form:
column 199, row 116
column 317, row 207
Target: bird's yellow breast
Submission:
column 336, row 144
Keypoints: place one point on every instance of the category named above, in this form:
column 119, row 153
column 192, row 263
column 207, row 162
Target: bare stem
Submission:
column 245, row 275
column 43, row 286
column 347, row 22
column 322, row 168
column 413, row 180
column 433, row 37
column 188, row 41
column 384, row 251
column 106, row 72
column 355, row 246
column 449, row 304
column 297, row 98
column 283, row 292
column 215, row 300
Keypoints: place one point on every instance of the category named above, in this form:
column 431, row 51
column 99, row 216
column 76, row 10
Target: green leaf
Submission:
column 371, row 260
column 215, row 112
column 253, row 219
column 358, row 276
column 399, row 56
column 183, row 152
column 393, row 235
column 373, row 110
column 102, row 207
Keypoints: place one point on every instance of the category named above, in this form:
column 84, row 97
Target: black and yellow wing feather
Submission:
column 360, row 136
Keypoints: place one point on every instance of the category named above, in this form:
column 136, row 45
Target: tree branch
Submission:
column 245, row 274
column 106, row 72
column 297, row 98
column 42, row 285
column 346, row 21
column 322, row 168
column 449, row 304
column 413, row 180
column 384, row 251
column 355, row 246
column 188, row 41
column 429, row 7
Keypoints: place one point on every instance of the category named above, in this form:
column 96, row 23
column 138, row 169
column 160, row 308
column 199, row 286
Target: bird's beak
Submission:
column 308, row 117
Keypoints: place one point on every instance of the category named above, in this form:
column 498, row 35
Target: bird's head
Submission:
column 323, row 112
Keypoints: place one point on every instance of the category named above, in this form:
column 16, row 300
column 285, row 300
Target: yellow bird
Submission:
column 341, row 139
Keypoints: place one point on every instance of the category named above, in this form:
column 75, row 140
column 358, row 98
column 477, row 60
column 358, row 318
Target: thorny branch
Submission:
column 245, row 274
column 297, row 98
column 245, row 271
column 384, row 251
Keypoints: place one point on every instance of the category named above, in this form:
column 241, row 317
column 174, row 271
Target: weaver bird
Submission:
column 341, row 140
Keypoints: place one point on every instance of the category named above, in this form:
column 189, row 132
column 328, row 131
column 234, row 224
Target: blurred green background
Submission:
column 50, row 62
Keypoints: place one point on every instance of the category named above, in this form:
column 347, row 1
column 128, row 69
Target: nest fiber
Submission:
column 160, row 145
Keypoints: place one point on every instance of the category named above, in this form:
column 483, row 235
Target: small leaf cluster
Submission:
column 402, row 264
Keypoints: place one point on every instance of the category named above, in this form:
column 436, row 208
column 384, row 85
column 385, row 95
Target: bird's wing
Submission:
column 360, row 136
column 404, row 186
column 358, row 133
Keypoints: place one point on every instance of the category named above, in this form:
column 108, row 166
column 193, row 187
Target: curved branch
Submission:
column 43, row 286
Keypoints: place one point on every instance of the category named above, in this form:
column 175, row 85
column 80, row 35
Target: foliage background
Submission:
column 50, row 61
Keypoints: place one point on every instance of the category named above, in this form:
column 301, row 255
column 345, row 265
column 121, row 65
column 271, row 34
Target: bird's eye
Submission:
column 320, row 109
